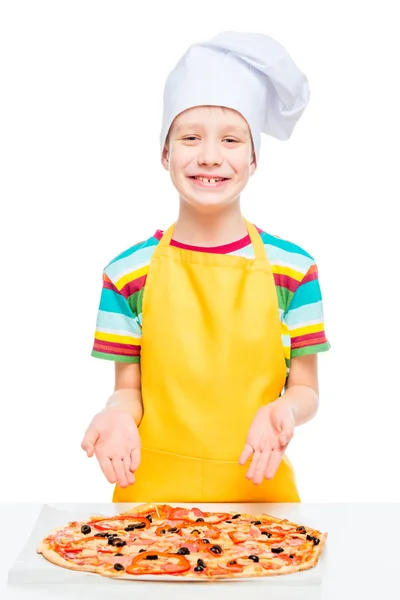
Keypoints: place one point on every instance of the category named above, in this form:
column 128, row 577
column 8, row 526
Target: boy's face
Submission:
column 209, row 141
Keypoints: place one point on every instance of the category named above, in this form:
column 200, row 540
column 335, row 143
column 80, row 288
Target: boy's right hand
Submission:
column 114, row 438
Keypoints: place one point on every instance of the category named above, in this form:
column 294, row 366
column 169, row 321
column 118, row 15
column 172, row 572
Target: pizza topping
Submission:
column 169, row 563
column 118, row 567
column 103, row 535
column 254, row 558
column 85, row 529
column 295, row 542
column 256, row 522
column 152, row 557
column 196, row 531
column 236, row 516
column 316, row 541
column 216, row 549
column 201, row 563
column 118, row 554
column 301, row 529
column 198, row 568
column 149, row 518
column 205, row 541
column 267, row 533
column 112, row 541
column 108, row 524
column 183, row 550
column 133, row 526
column 309, row 537
column 277, row 550
column 199, row 520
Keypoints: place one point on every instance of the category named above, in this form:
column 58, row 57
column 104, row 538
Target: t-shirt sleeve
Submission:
column 304, row 317
column 118, row 331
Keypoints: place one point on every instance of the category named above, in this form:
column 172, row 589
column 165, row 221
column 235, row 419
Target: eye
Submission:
column 189, row 138
column 231, row 140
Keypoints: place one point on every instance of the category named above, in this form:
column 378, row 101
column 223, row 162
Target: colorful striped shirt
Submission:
column 119, row 320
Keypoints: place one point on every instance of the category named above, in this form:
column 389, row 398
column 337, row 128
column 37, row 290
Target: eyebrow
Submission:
column 200, row 126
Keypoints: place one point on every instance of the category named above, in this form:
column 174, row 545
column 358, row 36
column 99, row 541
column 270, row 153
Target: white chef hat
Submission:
column 248, row 72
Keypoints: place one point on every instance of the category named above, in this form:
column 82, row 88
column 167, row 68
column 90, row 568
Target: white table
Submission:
column 362, row 561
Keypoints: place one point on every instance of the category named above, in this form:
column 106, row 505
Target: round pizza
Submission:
column 161, row 540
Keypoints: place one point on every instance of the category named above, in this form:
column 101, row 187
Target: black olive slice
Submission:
column 85, row 529
column 277, row 550
column 118, row 567
column 216, row 549
column 183, row 551
column 152, row 557
column 254, row 558
column 235, row 516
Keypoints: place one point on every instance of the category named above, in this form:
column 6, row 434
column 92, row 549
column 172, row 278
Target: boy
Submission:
column 209, row 322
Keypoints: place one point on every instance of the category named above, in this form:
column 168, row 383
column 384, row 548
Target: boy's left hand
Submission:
column 269, row 435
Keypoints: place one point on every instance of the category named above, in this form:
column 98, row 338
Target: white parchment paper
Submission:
column 32, row 568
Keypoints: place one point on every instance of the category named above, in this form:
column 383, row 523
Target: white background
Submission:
column 81, row 180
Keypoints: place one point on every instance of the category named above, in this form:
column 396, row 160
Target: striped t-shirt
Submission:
column 119, row 320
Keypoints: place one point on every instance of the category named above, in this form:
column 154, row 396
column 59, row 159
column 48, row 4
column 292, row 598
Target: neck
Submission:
column 215, row 228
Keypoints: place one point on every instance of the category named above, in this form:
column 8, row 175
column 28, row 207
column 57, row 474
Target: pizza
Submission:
column 162, row 540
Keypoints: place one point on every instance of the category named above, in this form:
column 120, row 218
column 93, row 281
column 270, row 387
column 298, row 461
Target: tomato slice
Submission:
column 173, row 563
column 101, row 524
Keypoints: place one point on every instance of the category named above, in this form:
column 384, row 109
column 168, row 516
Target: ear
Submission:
column 253, row 164
column 165, row 158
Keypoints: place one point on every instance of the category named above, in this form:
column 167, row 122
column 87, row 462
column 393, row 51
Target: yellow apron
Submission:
column 211, row 355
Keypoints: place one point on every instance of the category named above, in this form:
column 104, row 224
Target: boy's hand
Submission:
column 268, row 437
column 114, row 438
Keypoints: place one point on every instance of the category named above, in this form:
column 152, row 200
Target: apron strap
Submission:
column 257, row 243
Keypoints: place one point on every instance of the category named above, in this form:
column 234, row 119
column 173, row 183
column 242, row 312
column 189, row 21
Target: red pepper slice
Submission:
column 175, row 563
column 102, row 526
column 238, row 537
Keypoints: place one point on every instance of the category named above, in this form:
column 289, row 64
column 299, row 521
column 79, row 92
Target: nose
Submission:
column 209, row 153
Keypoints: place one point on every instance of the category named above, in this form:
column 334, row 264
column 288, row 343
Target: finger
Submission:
column 119, row 469
column 253, row 465
column 89, row 441
column 135, row 459
column 129, row 475
column 107, row 468
column 247, row 452
column 274, row 462
column 285, row 437
column 262, row 463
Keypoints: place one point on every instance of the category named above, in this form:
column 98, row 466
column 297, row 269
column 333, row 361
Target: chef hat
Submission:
column 248, row 72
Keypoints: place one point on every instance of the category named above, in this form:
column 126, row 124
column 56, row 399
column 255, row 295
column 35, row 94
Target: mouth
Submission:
column 209, row 181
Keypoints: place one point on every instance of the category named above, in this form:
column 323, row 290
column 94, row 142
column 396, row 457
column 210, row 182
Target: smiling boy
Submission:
column 214, row 325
